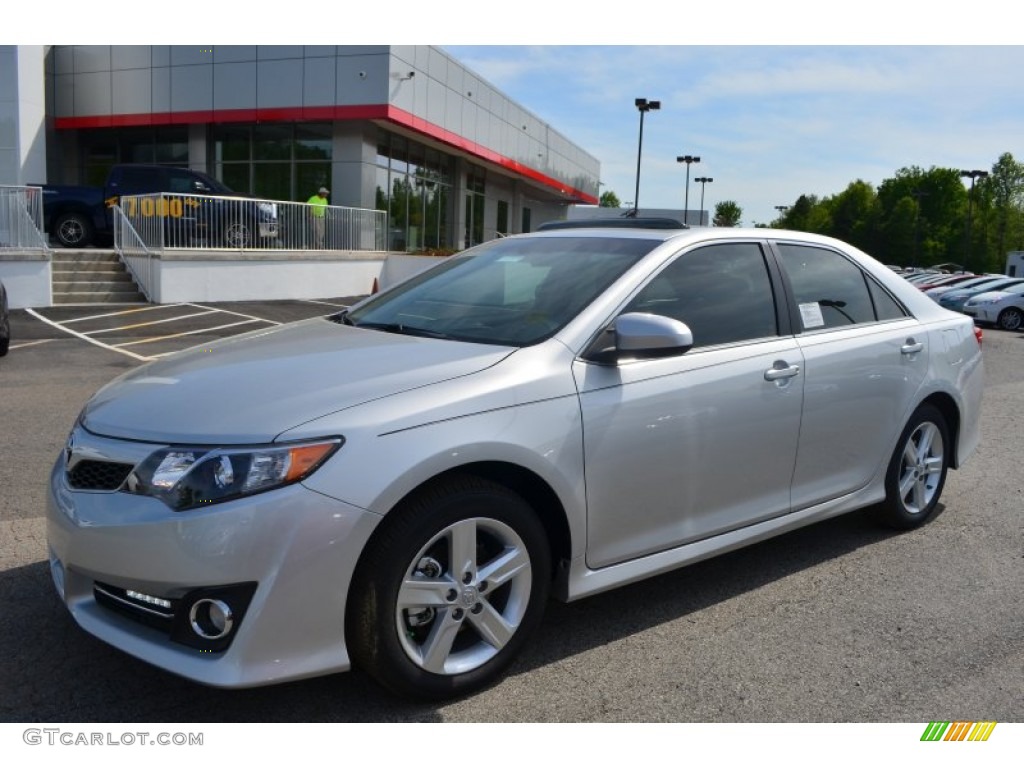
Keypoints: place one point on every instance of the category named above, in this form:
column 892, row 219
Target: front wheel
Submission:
column 449, row 590
column 238, row 234
column 1011, row 319
column 917, row 470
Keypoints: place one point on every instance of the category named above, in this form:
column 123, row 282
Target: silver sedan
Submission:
column 402, row 486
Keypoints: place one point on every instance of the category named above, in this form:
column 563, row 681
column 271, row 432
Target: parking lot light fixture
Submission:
column 702, row 180
column 972, row 175
column 644, row 106
column 689, row 160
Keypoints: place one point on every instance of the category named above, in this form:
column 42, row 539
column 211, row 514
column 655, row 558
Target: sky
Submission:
column 778, row 99
column 769, row 123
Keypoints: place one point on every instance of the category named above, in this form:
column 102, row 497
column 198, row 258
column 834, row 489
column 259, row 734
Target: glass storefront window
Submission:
column 272, row 142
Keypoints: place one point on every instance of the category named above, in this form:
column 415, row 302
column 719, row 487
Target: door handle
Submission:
column 774, row 374
column 912, row 347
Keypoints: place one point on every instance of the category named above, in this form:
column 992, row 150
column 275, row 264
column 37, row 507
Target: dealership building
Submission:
column 406, row 129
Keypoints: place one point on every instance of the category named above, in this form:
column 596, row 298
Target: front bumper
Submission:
column 293, row 549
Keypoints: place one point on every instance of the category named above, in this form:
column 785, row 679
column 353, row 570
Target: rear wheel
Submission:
column 449, row 590
column 1011, row 319
column 917, row 470
column 72, row 230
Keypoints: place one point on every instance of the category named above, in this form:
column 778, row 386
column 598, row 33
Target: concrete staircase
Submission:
column 92, row 276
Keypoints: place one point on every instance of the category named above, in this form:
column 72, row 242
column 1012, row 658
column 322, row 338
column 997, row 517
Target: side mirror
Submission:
column 641, row 336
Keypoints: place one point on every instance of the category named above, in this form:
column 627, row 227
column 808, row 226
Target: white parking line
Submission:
column 240, row 314
column 151, row 339
column 122, row 312
column 30, row 343
column 151, row 322
column 83, row 337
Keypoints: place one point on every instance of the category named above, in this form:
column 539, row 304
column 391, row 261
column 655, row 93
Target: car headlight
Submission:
column 186, row 477
column 980, row 302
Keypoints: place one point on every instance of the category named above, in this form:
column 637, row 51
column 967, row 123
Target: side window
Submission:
column 886, row 307
column 180, row 181
column 722, row 292
column 829, row 290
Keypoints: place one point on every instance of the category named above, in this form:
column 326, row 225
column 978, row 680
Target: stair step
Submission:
column 99, row 297
column 92, row 277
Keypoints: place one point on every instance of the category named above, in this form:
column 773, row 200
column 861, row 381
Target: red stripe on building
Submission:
column 357, row 112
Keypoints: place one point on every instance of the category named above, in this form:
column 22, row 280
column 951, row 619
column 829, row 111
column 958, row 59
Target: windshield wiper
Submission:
column 402, row 328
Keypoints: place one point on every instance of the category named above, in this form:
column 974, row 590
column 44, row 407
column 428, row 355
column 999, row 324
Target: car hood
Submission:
column 251, row 388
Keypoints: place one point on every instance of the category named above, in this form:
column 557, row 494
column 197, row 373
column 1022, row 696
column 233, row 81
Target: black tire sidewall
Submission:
column 373, row 632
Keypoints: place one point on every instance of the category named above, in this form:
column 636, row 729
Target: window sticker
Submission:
column 810, row 313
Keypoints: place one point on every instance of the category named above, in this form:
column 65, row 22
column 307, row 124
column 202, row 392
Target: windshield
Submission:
column 515, row 291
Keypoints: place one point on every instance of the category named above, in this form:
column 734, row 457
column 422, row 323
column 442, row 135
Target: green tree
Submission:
column 1005, row 184
column 609, row 200
column 727, row 214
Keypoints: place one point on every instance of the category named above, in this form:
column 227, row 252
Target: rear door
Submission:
column 865, row 359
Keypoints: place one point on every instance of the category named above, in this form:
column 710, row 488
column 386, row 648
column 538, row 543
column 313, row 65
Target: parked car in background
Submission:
column 934, row 293
column 1003, row 309
column 400, row 486
column 956, row 299
column 5, row 322
column 941, row 280
column 77, row 216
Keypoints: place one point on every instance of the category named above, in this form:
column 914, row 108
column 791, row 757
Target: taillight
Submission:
column 978, row 335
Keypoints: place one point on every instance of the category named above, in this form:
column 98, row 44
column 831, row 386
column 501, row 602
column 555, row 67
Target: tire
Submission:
column 428, row 628
column 1011, row 319
column 73, row 230
column 5, row 336
column 917, row 470
column 237, row 234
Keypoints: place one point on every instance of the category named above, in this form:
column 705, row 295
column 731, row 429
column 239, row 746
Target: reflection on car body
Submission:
column 403, row 485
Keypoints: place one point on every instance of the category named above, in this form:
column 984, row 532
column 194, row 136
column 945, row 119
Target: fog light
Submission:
column 211, row 619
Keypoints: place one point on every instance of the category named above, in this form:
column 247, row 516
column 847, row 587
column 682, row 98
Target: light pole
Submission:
column 918, row 194
column 688, row 159
column 972, row 175
column 702, row 180
column 644, row 106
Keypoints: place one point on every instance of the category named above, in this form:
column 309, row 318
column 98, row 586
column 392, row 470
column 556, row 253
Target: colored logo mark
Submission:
column 958, row 731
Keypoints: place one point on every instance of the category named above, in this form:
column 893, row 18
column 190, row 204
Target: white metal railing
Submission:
column 134, row 253
column 21, row 219
column 183, row 221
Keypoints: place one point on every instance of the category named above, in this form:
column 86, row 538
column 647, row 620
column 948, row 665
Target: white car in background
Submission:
column 1003, row 309
column 974, row 282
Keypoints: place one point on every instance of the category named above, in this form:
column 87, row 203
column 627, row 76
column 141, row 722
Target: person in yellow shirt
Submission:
column 317, row 213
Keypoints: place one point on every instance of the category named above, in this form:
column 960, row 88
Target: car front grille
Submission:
column 90, row 475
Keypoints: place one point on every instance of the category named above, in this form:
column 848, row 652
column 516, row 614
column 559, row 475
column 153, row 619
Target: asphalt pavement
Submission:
column 839, row 622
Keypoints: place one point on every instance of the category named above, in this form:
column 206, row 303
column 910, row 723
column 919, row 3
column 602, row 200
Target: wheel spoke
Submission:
column 924, row 443
column 463, row 549
column 422, row 593
column 920, row 494
column 906, row 484
column 512, row 562
column 492, row 626
column 438, row 645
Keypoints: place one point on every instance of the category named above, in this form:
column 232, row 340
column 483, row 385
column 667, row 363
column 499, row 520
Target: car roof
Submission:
column 616, row 222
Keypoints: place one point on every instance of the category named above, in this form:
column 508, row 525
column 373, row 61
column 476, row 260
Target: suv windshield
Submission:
column 512, row 292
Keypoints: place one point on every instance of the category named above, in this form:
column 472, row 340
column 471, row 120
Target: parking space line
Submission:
column 31, row 343
column 122, row 312
column 83, row 337
column 325, row 303
column 151, row 322
column 240, row 314
column 151, row 339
